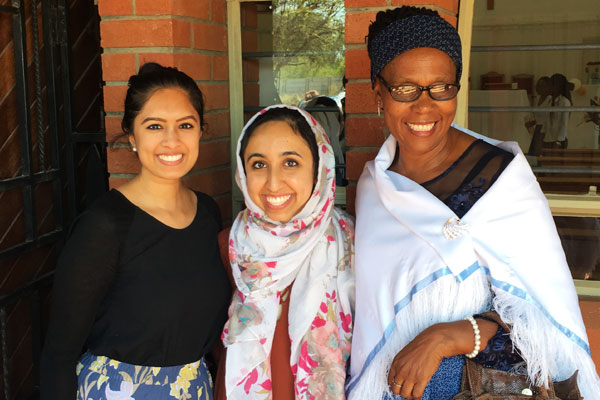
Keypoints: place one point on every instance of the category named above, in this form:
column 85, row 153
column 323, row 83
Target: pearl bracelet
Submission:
column 477, row 337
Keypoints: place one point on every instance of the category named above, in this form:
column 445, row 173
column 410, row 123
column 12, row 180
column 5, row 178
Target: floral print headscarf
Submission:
column 315, row 252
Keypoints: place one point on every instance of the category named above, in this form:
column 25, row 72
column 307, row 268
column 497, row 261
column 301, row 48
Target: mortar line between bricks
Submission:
column 361, row 115
column 198, row 82
column 207, row 170
column 356, row 46
column 359, row 80
column 120, row 175
column 216, row 111
column 358, row 10
column 215, row 139
column 214, row 168
column 115, row 83
column 159, row 17
column 125, row 145
column 203, row 83
column 364, row 149
column 162, row 50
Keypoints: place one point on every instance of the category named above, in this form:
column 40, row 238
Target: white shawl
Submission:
column 509, row 254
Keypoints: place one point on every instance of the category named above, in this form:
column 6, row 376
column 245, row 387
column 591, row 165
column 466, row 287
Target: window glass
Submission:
column 514, row 77
column 298, row 47
column 293, row 53
column 535, row 79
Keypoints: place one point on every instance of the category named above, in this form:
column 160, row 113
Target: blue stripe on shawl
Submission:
column 461, row 277
column 520, row 293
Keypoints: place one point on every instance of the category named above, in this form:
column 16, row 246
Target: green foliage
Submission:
column 308, row 38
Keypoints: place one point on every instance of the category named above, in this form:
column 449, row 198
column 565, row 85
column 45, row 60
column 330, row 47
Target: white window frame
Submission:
column 236, row 91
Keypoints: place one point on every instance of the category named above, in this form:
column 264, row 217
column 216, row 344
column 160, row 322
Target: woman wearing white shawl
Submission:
column 450, row 225
column 271, row 249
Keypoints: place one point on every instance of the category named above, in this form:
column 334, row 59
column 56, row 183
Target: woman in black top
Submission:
column 140, row 287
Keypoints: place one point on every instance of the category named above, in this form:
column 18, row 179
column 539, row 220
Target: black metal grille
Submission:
column 49, row 151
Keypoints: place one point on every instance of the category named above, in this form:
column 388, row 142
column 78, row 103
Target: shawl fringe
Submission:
column 546, row 351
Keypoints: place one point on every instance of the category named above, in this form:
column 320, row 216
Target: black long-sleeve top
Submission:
column 133, row 289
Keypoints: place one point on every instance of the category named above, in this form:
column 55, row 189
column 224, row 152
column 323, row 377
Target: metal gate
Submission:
column 45, row 187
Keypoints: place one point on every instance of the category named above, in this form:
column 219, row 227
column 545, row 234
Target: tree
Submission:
column 308, row 35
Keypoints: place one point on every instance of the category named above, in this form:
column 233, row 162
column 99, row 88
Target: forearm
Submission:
column 458, row 337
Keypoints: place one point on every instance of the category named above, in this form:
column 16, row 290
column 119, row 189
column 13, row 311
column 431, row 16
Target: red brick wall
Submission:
column 590, row 309
column 189, row 35
column 365, row 131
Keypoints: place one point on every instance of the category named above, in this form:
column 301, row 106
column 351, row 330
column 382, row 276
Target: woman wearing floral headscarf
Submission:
column 291, row 254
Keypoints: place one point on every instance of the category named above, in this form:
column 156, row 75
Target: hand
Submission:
column 416, row 363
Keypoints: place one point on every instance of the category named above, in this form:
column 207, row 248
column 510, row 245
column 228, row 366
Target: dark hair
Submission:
column 561, row 86
column 384, row 18
column 150, row 78
column 298, row 124
column 545, row 80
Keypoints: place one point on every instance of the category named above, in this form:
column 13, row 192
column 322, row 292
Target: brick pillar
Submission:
column 365, row 131
column 189, row 35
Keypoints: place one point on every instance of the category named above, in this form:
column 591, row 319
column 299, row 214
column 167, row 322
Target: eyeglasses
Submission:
column 410, row 92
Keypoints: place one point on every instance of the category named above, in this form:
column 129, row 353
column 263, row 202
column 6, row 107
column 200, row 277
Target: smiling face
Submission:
column 279, row 170
column 422, row 125
column 166, row 133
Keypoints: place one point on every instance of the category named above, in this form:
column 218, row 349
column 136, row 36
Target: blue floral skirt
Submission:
column 101, row 378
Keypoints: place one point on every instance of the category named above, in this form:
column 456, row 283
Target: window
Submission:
column 292, row 52
column 535, row 79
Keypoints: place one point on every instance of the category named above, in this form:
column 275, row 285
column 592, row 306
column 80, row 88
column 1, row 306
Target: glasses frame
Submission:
column 420, row 90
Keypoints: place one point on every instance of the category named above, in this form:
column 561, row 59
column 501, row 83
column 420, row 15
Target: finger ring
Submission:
column 396, row 383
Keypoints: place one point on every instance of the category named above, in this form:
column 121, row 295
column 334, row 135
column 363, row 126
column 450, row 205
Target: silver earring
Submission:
column 378, row 108
column 134, row 149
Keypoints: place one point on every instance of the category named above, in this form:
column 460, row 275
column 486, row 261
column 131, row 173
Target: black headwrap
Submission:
column 411, row 33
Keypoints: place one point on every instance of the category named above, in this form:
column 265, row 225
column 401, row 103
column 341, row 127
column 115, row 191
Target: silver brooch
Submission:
column 453, row 228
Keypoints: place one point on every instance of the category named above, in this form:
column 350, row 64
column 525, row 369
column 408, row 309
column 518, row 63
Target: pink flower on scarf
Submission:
column 267, row 385
column 231, row 250
column 249, row 380
column 327, row 343
column 305, row 362
column 323, row 307
column 346, row 322
column 256, row 270
column 317, row 322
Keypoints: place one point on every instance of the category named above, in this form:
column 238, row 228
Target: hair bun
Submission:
column 150, row 67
